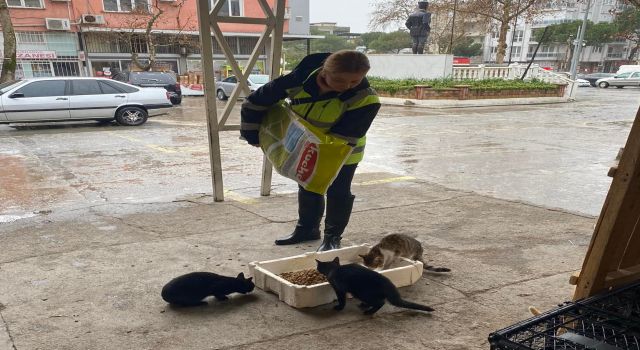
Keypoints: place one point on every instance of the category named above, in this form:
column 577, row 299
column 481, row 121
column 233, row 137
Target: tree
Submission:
column 392, row 42
column 367, row 38
column 503, row 13
column 293, row 52
column 137, row 30
column 330, row 43
column 389, row 13
column 9, row 63
column 566, row 33
column 467, row 48
column 627, row 25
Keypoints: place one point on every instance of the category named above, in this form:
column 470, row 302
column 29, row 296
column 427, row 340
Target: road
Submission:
column 549, row 155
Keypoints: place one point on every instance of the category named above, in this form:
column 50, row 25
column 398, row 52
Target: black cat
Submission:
column 192, row 288
column 368, row 286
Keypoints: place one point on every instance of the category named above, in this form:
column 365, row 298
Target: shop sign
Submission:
column 36, row 55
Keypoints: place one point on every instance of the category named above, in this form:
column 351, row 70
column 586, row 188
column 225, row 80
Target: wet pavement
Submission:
column 94, row 220
column 554, row 155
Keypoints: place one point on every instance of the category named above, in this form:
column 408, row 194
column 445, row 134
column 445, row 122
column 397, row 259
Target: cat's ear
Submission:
column 336, row 260
column 249, row 279
column 362, row 256
column 318, row 261
column 240, row 276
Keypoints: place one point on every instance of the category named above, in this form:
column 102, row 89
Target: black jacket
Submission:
column 353, row 123
column 419, row 23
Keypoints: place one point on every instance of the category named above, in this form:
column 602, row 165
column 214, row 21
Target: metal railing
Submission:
column 514, row 71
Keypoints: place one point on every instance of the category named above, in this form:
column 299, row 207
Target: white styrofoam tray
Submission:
column 403, row 272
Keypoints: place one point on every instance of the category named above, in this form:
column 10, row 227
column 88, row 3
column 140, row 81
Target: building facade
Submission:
column 97, row 37
column 521, row 43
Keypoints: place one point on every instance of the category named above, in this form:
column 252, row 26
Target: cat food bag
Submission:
column 300, row 151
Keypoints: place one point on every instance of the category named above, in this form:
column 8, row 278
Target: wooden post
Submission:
column 613, row 257
column 210, row 100
column 276, row 55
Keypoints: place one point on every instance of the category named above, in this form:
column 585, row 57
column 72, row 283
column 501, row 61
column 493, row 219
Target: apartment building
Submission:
column 521, row 44
column 96, row 37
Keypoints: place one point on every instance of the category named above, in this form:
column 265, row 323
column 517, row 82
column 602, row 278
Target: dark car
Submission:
column 166, row 80
column 593, row 77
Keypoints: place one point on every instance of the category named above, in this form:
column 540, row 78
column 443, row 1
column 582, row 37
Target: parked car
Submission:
column 224, row 88
column 166, row 80
column 628, row 68
column 620, row 80
column 67, row 99
column 583, row 82
column 593, row 77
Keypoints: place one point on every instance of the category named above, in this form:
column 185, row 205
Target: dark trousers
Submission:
column 341, row 186
column 418, row 44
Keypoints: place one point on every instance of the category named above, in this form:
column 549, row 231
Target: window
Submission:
column 495, row 35
column 635, row 75
column 31, row 38
column 230, row 7
column 125, row 5
column 623, row 75
column 25, row 3
column 108, row 89
column 518, row 35
column 597, row 49
column 515, row 50
column 85, row 87
column 44, row 88
column 120, row 86
column 231, row 80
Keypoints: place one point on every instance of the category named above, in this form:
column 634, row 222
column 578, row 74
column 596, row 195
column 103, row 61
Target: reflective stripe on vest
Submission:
column 325, row 113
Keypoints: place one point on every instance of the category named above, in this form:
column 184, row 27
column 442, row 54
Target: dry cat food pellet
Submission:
column 304, row 277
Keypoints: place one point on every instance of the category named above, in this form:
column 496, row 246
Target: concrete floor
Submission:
column 95, row 219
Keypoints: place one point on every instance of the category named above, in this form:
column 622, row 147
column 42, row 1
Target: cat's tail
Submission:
column 436, row 269
column 399, row 302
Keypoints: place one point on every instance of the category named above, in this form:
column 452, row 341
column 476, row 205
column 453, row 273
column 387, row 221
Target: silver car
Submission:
column 224, row 88
column 67, row 99
column 620, row 80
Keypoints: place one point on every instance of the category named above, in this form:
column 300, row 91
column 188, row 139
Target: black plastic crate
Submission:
column 609, row 321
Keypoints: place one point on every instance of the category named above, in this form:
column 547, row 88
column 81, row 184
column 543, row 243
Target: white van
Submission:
column 628, row 68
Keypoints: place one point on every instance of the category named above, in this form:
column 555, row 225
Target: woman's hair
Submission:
column 346, row 61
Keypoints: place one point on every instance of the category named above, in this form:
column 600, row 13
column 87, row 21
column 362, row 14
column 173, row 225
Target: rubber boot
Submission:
column 310, row 210
column 338, row 214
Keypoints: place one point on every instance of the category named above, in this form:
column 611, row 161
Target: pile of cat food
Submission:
column 304, row 277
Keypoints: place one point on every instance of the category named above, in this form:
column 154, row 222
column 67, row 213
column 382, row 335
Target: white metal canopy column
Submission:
column 209, row 20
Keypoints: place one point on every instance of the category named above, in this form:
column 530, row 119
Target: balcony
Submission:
column 546, row 55
column 615, row 55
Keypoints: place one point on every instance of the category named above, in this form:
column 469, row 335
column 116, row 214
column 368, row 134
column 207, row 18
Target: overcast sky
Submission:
column 351, row 13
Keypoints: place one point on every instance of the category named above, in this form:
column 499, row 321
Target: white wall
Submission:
column 411, row 66
column 299, row 20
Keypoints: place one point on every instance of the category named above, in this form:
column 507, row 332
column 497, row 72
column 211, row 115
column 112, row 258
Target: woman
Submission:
column 331, row 92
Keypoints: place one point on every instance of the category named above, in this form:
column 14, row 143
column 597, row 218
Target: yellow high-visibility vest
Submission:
column 324, row 113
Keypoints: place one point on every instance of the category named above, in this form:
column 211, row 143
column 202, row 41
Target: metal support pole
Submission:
column 513, row 33
column 578, row 49
column 453, row 25
column 206, row 42
column 535, row 52
column 276, row 55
